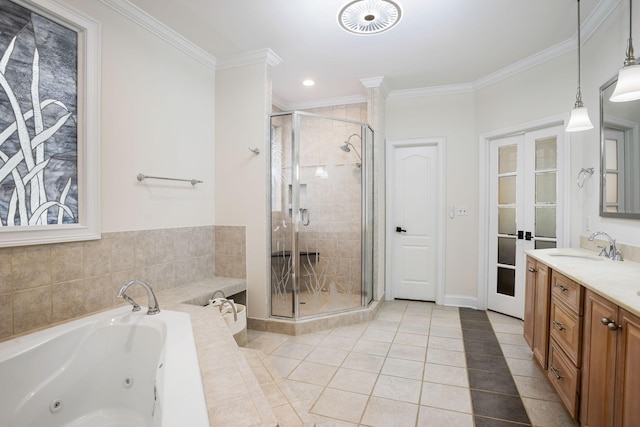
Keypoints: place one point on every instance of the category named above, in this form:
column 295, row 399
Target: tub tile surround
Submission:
column 44, row 285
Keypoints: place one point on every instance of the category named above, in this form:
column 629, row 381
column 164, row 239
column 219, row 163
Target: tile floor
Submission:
column 407, row 367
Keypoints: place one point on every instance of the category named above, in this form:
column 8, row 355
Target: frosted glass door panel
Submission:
column 546, row 153
column 507, row 221
column 546, row 188
column 508, row 159
column 506, row 190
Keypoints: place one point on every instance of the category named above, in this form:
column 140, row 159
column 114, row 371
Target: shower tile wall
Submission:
column 46, row 284
column 333, row 202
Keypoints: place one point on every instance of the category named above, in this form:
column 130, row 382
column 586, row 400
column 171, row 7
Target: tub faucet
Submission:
column 614, row 253
column 153, row 302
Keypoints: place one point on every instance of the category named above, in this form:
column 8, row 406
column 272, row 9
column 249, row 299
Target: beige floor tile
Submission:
column 441, row 331
column 330, row 422
column 313, row 373
column 390, row 316
column 327, row 356
column 385, row 325
column 274, row 395
column 420, row 308
column 309, row 339
column 514, row 339
column 450, row 375
column 508, row 328
column 516, row 351
column 413, row 328
column 396, row 388
column 341, row 405
column 446, row 322
column 410, row 339
column 305, row 392
column 352, row 380
column 403, row 368
column 381, row 335
column 293, row 350
column 389, row 413
column 267, row 342
column 352, row 331
column 414, row 319
column 283, row 365
column 525, row 368
column 443, row 343
column 502, row 318
column 435, row 417
column 408, row 352
column 446, row 357
column 446, row 397
column 338, row 342
column 363, row 362
column 535, row 388
column 286, row 416
column 377, row 348
column 547, row 414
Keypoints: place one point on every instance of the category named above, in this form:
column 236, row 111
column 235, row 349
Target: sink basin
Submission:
column 577, row 256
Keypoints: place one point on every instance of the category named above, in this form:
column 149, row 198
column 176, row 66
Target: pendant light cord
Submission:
column 630, row 59
column 579, row 103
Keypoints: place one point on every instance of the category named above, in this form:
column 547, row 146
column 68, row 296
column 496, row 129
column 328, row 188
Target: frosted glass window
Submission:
column 546, row 153
column 506, row 281
column 546, row 187
column 507, row 158
column 507, row 221
column 506, row 251
column 611, row 154
column 545, row 222
column 544, row 244
column 612, row 187
column 506, row 190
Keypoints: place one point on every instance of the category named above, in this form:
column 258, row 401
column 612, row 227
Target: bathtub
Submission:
column 116, row 368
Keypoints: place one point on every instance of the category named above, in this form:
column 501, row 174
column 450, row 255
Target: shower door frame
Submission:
column 366, row 292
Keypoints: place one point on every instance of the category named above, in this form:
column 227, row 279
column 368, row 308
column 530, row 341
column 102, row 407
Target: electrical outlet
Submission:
column 462, row 211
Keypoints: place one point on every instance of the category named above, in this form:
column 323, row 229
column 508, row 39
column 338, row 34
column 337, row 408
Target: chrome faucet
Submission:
column 614, row 253
column 153, row 302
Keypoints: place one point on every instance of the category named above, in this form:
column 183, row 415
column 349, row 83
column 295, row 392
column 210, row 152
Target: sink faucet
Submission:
column 153, row 302
column 614, row 253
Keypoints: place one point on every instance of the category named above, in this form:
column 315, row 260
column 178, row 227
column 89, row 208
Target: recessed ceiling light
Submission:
column 308, row 83
column 369, row 16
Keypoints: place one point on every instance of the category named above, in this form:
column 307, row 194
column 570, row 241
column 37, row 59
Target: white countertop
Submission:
column 617, row 281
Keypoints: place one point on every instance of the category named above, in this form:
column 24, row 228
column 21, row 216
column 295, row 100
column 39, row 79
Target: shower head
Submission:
column 345, row 147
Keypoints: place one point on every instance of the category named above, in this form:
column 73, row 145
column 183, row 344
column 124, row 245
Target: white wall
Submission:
column 243, row 102
column 157, row 119
column 452, row 117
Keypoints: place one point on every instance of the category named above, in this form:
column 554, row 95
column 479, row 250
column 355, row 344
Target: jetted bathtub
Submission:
column 116, row 368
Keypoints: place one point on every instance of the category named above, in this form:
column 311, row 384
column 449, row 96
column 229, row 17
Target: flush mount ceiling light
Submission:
column 369, row 16
column 579, row 119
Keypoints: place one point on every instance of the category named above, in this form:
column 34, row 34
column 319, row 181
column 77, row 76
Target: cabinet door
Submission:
column 627, row 410
column 529, row 301
column 541, row 329
column 599, row 359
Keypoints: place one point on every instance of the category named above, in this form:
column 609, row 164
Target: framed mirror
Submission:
column 619, row 155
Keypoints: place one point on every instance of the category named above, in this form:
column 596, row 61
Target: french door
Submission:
column 525, row 210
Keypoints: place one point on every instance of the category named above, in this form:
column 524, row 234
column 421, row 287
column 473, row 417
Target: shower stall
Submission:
column 321, row 215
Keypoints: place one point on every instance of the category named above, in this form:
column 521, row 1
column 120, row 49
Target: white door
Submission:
column 525, row 212
column 414, row 201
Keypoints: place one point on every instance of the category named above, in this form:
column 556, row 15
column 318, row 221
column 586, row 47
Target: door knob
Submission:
column 400, row 230
column 527, row 235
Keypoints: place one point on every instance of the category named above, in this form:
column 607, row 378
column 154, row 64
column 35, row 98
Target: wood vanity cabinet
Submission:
column 536, row 310
column 611, row 365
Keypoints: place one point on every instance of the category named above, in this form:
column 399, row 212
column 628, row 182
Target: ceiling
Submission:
column 436, row 43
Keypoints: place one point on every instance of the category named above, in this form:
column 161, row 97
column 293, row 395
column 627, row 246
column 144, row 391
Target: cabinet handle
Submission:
column 558, row 326
column 532, row 270
column 556, row 373
column 611, row 324
column 562, row 288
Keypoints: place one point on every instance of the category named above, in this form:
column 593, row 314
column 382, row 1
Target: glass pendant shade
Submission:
column 579, row 120
column 628, row 85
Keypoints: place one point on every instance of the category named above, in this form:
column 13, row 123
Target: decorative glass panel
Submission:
column 506, row 251
column 611, row 154
column 506, row 190
column 546, row 187
column 546, row 153
column 545, row 222
column 507, row 221
column 506, row 281
column 544, row 244
column 612, row 187
column 507, row 159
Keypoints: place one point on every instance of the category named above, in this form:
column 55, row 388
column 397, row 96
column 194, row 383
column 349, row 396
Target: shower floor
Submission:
column 314, row 304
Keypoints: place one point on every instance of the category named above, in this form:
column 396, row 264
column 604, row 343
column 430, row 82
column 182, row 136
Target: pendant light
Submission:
column 628, row 85
column 579, row 119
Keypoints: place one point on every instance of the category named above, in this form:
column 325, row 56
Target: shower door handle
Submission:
column 400, row 230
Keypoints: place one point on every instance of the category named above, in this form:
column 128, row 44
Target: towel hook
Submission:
column 255, row 150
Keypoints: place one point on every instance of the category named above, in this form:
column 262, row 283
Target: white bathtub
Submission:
column 116, row 368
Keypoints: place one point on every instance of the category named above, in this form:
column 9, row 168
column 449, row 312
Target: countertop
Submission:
column 233, row 395
column 617, row 281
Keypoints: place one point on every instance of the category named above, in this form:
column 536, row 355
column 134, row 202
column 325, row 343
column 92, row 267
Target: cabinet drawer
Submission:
column 564, row 377
column 567, row 291
column 566, row 328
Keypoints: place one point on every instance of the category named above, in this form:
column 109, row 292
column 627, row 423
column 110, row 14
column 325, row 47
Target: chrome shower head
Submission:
column 345, row 147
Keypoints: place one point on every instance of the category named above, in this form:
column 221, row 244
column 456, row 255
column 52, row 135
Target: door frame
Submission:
column 564, row 193
column 391, row 145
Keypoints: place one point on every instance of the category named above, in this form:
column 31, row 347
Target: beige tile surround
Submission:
column 44, row 285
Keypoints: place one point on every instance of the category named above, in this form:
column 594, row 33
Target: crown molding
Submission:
column 146, row 21
column 250, row 58
column 319, row 103
column 432, row 91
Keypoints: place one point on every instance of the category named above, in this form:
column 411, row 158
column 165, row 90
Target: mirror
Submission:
column 619, row 155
